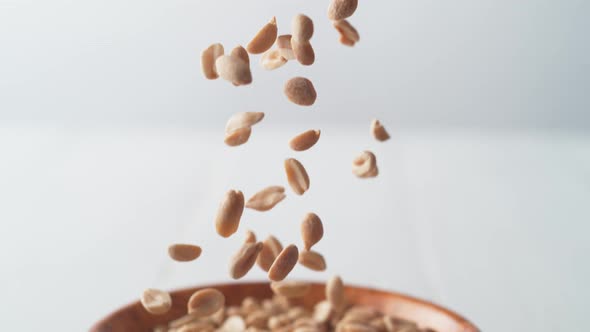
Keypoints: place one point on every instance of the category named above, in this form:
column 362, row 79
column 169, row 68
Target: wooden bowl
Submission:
column 133, row 318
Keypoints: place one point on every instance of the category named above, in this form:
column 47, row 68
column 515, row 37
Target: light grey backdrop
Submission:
column 476, row 63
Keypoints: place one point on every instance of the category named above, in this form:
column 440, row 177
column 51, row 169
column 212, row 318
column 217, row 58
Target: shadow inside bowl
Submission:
column 134, row 318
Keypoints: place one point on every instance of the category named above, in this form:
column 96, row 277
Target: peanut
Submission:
column 229, row 213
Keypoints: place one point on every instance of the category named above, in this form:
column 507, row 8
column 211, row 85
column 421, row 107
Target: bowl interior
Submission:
column 133, row 318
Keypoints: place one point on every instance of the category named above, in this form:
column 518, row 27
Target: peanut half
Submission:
column 184, row 252
column 284, row 46
column 341, row 9
column 266, row 199
column 379, row 131
column 284, row 263
column 233, row 69
column 312, row 260
column 296, row 176
column 208, row 57
column 305, row 140
column 243, row 120
column 312, row 230
column 238, row 136
column 264, row 39
column 271, row 248
column 155, row 301
column 290, row 289
column 272, row 59
column 365, row 165
column 229, row 213
column 244, row 259
column 300, row 91
column 348, row 34
column 205, row 302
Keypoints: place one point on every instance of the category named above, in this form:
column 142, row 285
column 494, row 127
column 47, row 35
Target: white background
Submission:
column 111, row 145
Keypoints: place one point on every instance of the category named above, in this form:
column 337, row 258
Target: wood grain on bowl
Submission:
column 134, row 318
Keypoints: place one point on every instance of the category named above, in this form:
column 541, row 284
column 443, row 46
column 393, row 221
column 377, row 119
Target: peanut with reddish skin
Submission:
column 300, row 91
column 303, row 52
column 341, row 9
column 302, row 28
column 378, row 131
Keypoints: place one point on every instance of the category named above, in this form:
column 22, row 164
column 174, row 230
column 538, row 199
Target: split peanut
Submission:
column 208, row 57
column 379, row 131
column 305, row 140
column 244, row 259
column 205, row 302
column 290, row 289
column 348, row 34
column 237, row 137
column 266, row 199
column 284, row 47
column 271, row 248
column 264, row 39
column 243, row 120
column 365, row 165
column 229, row 213
column 284, row 263
column 272, row 59
column 184, row 252
column 312, row 230
column 296, row 176
column 155, row 301
column 312, row 260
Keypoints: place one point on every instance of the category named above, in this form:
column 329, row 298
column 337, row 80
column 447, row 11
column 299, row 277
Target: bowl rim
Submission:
column 467, row 325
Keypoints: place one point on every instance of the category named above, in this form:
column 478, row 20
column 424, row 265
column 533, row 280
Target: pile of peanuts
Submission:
column 208, row 313
column 206, row 308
